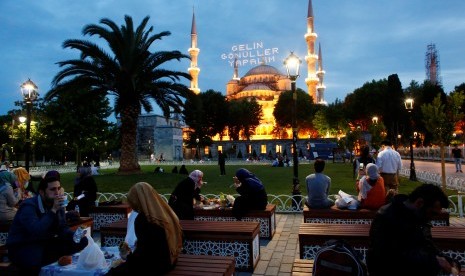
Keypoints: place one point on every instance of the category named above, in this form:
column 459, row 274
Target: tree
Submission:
column 244, row 117
column 81, row 124
column 440, row 119
column 393, row 109
column 131, row 73
column 305, row 110
column 206, row 114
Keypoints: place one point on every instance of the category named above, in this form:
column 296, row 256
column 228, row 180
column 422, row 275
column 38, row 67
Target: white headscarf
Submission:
column 196, row 175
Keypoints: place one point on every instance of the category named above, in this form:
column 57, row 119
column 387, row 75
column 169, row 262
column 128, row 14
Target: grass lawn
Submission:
column 276, row 180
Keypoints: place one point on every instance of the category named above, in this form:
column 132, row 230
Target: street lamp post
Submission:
column 30, row 94
column 292, row 63
column 198, row 148
column 409, row 107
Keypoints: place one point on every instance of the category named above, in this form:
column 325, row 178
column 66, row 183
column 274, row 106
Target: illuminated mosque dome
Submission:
column 263, row 69
column 264, row 83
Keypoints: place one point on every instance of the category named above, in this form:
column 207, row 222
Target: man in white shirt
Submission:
column 389, row 163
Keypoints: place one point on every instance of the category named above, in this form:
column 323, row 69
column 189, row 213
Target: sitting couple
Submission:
column 371, row 192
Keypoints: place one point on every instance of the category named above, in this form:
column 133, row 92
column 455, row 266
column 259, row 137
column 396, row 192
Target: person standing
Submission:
column 181, row 199
column 222, row 162
column 365, row 158
column 318, row 185
column 39, row 234
column 389, row 163
column 457, row 153
column 400, row 236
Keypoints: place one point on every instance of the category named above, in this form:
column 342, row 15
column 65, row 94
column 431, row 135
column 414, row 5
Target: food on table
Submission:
column 124, row 250
column 65, row 260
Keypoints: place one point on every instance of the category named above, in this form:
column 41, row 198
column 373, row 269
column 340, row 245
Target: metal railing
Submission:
column 283, row 203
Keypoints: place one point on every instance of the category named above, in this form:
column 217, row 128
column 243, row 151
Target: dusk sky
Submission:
column 361, row 40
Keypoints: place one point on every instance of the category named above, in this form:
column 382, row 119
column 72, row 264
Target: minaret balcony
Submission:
column 311, row 36
column 320, row 87
column 311, row 56
column 312, row 79
column 320, row 72
column 193, row 50
column 193, row 69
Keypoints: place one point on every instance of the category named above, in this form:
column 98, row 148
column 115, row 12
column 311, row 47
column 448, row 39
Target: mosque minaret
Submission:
column 194, row 70
column 320, row 88
column 311, row 58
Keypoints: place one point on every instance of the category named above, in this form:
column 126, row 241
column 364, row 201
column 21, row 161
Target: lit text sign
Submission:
column 250, row 54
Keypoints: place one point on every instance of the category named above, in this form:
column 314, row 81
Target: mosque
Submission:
column 265, row 83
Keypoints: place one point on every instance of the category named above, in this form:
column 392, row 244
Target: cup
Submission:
column 65, row 201
column 78, row 234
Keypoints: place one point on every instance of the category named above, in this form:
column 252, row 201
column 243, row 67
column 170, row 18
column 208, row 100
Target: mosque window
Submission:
column 279, row 148
column 220, row 148
column 263, row 149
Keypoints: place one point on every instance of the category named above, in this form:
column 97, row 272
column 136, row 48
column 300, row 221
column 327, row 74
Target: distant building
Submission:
column 156, row 135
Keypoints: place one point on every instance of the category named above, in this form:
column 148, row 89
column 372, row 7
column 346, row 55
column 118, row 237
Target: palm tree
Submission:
column 132, row 74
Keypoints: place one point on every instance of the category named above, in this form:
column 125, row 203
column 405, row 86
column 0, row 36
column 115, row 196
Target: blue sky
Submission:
column 362, row 40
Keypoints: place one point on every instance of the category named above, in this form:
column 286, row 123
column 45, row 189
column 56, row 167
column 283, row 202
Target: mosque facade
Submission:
column 265, row 83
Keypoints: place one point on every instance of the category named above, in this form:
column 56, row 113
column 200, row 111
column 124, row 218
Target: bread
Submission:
column 65, row 260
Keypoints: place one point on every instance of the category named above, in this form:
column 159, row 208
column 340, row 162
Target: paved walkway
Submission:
column 277, row 255
column 435, row 167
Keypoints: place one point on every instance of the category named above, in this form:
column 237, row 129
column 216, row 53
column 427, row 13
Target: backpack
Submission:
column 338, row 258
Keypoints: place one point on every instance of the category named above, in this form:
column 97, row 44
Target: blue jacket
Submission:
column 35, row 231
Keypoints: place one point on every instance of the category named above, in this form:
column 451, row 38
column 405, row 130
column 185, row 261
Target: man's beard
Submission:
column 48, row 200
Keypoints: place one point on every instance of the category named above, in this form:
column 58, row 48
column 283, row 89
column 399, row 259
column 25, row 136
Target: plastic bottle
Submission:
column 76, row 208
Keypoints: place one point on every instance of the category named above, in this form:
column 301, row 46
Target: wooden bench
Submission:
column 203, row 265
column 302, row 267
column 231, row 238
column 104, row 215
column 360, row 216
column 266, row 218
column 4, row 229
column 451, row 240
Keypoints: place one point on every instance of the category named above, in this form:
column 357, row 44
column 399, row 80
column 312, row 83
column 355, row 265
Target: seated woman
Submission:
column 23, row 178
column 9, row 196
column 159, row 234
column 85, row 191
column 372, row 194
column 252, row 193
column 181, row 199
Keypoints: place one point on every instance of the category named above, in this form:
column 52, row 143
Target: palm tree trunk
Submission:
column 128, row 161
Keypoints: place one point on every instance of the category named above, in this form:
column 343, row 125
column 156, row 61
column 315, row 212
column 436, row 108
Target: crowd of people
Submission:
column 400, row 232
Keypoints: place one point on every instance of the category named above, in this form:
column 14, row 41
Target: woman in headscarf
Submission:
column 181, row 199
column 159, row 234
column 9, row 196
column 252, row 193
column 23, row 178
column 85, row 191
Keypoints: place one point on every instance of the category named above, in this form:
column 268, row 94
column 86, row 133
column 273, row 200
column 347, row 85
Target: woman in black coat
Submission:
column 85, row 191
column 181, row 199
column 252, row 193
